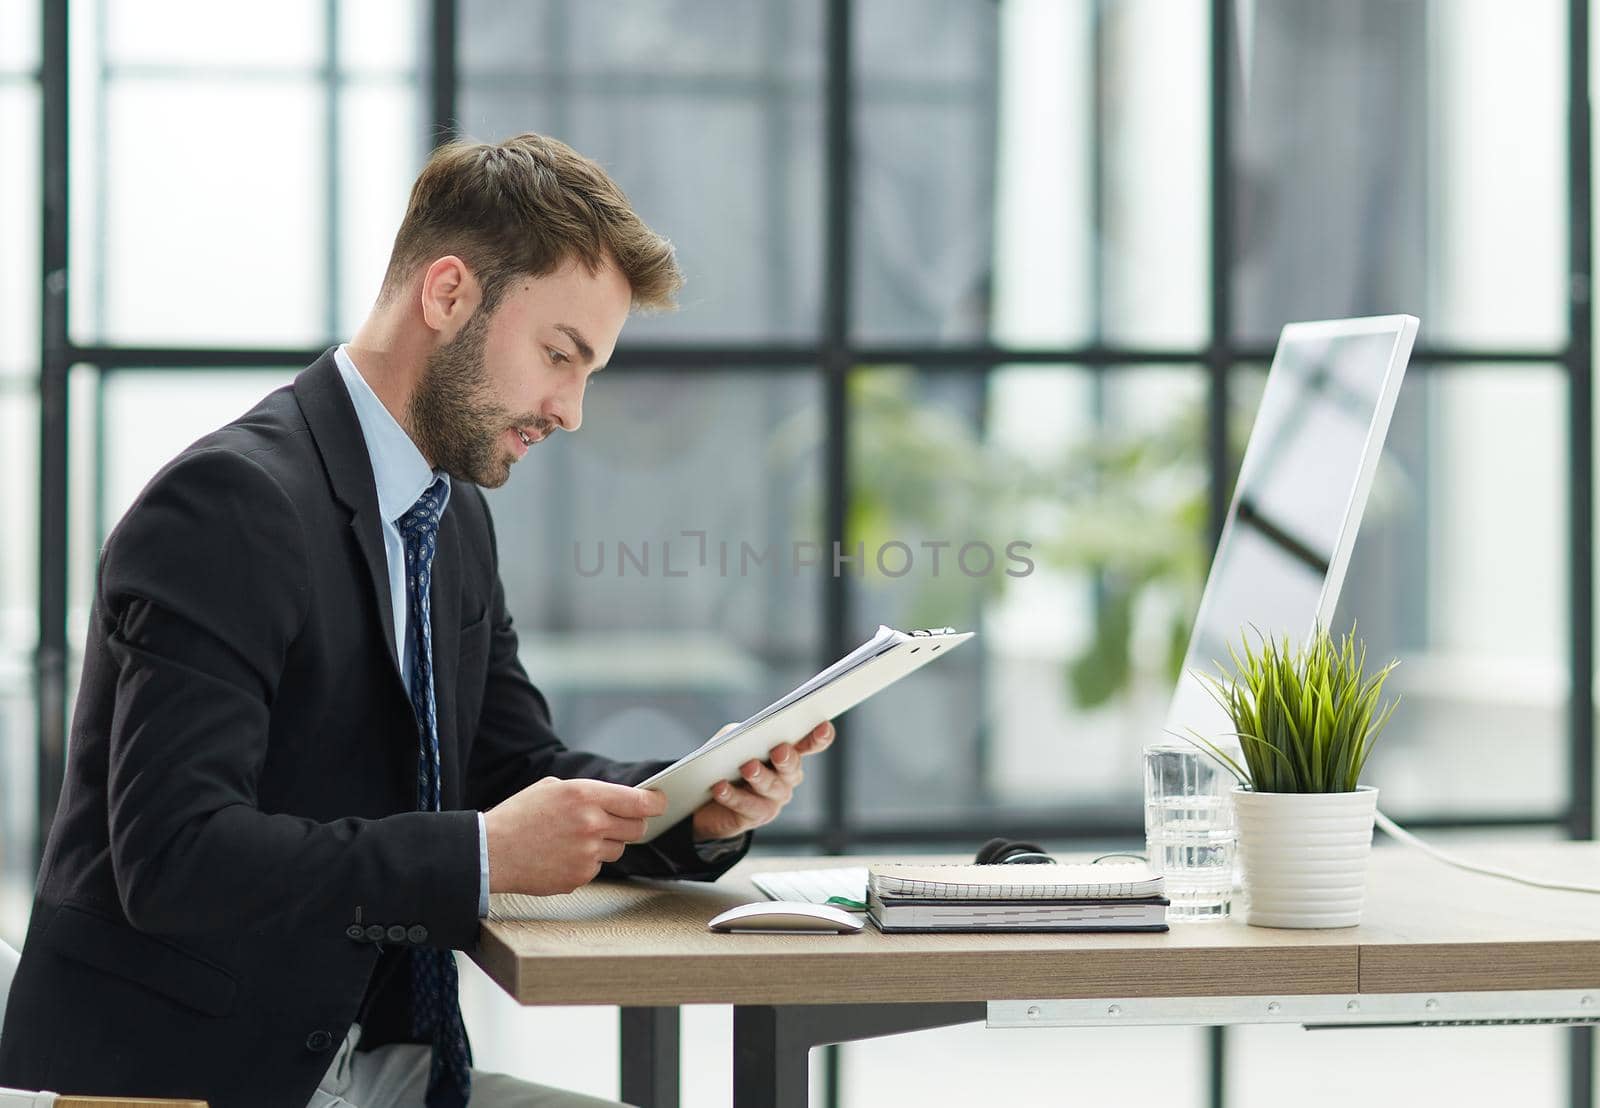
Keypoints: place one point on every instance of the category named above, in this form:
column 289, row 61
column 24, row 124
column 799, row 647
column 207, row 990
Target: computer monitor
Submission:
column 1302, row 487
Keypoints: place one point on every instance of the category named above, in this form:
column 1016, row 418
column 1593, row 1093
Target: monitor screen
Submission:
column 1302, row 487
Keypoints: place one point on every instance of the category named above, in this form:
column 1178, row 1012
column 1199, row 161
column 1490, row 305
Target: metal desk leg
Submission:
column 771, row 1059
column 771, row 1044
column 650, row 1057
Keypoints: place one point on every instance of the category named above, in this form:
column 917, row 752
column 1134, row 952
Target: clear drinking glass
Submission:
column 1189, row 830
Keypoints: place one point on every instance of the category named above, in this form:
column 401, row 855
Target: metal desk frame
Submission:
column 771, row 1044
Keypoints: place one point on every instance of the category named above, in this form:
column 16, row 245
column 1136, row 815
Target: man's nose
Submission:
column 566, row 408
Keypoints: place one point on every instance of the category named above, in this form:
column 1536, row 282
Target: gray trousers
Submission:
column 396, row 1076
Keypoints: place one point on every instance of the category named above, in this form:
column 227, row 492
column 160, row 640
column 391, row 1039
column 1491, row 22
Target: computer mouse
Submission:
column 786, row 915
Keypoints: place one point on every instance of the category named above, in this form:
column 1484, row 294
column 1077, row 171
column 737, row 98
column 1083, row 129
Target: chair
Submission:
column 17, row 1098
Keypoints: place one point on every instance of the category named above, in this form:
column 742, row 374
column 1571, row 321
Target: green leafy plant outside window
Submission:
column 1126, row 507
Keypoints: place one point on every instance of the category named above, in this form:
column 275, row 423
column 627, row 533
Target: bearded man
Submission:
column 304, row 752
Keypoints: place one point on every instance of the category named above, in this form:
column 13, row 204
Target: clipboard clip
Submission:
column 924, row 632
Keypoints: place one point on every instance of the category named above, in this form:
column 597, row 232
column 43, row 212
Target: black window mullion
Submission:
column 835, row 364
column 1580, row 417
column 927, row 359
column 50, row 659
column 333, row 274
column 442, row 79
column 1219, row 355
column 1219, row 360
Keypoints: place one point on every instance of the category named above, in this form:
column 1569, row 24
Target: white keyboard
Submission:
column 813, row 886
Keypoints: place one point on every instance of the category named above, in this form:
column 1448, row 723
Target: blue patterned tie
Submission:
column 435, row 1004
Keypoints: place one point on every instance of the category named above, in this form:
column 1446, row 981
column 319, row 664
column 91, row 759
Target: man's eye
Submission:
column 557, row 356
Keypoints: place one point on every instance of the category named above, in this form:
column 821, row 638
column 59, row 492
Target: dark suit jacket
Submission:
column 236, row 866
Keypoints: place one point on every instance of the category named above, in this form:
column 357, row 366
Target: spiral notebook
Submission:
column 1059, row 881
column 989, row 914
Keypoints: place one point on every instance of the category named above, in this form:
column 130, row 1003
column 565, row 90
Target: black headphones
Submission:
column 1011, row 852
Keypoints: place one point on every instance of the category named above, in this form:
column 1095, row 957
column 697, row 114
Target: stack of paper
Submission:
column 875, row 665
column 1122, row 896
column 885, row 638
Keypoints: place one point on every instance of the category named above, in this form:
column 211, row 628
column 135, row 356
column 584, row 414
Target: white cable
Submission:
column 1400, row 833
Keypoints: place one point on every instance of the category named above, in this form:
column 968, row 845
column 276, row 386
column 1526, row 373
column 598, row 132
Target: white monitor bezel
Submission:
column 1404, row 329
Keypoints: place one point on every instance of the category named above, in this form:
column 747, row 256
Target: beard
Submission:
column 455, row 420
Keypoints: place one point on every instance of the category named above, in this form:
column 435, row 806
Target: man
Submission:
column 304, row 751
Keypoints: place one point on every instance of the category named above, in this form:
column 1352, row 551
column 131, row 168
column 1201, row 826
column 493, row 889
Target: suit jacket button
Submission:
column 418, row 933
column 355, row 932
column 397, row 934
column 375, row 933
column 319, row 1041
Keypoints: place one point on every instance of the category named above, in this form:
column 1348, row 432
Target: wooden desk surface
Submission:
column 1427, row 927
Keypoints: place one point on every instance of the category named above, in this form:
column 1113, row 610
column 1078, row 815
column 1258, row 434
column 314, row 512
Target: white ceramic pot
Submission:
column 1304, row 856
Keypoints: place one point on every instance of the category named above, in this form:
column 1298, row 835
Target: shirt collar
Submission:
column 399, row 470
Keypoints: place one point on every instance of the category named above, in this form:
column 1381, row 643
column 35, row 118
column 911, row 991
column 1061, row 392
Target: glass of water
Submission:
column 1189, row 831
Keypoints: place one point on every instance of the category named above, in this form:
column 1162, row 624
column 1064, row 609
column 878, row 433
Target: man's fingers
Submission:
column 817, row 741
column 766, row 781
column 623, row 830
column 611, row 850
column 746, row 803
column 786, row 760
column 627, row 801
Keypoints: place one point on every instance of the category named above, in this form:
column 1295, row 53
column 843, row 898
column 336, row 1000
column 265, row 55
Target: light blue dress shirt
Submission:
column 402, row 475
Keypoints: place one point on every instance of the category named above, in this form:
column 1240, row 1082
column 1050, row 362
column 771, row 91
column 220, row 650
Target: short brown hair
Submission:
column 525, row 207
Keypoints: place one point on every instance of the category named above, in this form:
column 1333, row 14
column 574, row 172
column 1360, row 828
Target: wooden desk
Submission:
column 1428, row 929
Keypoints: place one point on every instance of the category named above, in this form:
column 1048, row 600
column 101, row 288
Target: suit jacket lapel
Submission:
column 369, row 537
column 332, row 418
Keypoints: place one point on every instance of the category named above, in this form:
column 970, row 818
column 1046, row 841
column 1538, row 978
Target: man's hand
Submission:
column 554, row 835
column 766, row 787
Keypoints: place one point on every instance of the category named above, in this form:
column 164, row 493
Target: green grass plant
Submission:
column 1306, row 719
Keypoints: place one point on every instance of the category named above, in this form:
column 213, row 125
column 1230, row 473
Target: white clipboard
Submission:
column 876, row 664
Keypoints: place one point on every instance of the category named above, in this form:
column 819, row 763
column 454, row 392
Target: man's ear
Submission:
column 450, row 294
